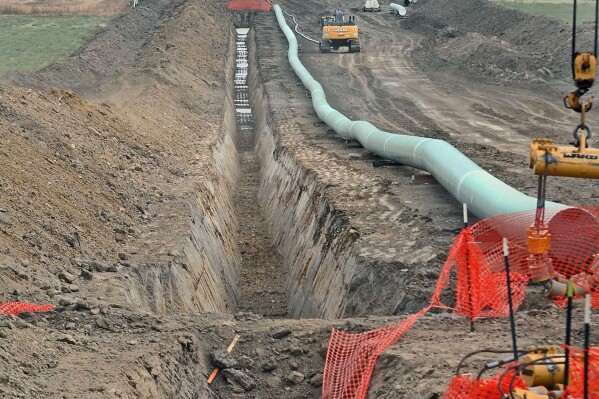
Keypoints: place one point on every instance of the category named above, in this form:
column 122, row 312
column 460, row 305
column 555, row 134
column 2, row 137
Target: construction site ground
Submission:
column 108, row 158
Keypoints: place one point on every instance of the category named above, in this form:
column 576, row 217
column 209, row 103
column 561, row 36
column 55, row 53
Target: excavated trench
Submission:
column 261, row 279
column 293, row 248
column 313, row 239
column 263, row 237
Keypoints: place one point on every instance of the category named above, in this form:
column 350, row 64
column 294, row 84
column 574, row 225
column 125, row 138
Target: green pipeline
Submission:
column 484, row 194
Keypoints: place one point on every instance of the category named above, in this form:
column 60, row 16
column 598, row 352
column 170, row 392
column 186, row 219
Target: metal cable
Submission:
column 573, row 38
column 297, row 30
column 297, row 25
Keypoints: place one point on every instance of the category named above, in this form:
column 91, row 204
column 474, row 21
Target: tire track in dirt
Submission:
column 491, row 124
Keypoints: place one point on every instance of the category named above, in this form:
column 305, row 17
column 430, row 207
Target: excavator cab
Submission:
column 326, row 19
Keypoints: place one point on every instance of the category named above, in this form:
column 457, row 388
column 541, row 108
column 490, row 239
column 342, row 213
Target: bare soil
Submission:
column 262, row 280
column 96, row 178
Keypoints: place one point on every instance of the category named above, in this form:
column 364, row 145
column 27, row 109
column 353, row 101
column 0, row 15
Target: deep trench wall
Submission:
column 204, row 275
column 176, row 373
column 312, row 237
column 211, row 249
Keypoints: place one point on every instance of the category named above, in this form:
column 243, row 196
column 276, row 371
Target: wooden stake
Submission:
column 229, row 349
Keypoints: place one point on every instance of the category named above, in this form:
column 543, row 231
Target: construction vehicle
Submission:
column 325, row 19
column 372, row 6
column 575, row 160
column 542, row 370
column 337, row 32
column 545, row 370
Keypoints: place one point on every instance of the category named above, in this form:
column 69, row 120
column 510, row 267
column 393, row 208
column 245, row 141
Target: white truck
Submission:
column 372, row 6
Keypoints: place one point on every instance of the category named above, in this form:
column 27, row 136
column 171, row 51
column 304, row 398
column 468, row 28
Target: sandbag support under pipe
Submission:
column 485, row 194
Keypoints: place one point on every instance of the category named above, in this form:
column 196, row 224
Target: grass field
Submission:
column 30, row 43
column 559, row 9
column 63, row 7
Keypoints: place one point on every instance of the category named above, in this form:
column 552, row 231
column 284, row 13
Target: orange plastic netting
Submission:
column 249, row 5
column 14, row 308
column 481, row 285
column 576, row 387
column 351, row 358
column 477, row 260
column 468, row 387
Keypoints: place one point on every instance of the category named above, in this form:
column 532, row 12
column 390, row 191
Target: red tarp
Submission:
column 249, row 5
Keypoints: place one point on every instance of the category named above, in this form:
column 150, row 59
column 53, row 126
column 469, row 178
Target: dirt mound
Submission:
column 98, row 197
column 92, row 194
column 82, row 182
column 114, row 50
column 66, row 192
column 481, row 38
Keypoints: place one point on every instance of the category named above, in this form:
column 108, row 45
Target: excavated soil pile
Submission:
column 120, row 203
column 481, row 38
column 89, row 186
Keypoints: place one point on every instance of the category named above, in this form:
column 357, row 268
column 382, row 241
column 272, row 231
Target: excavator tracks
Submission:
column 354, row 46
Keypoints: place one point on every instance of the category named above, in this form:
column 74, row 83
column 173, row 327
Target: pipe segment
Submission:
column 484, row 194
column 401, row 10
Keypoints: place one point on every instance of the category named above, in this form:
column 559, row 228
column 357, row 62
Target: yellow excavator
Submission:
column 337, row 32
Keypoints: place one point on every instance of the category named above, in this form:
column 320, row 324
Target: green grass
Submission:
column 553, row 9
column 30, row 43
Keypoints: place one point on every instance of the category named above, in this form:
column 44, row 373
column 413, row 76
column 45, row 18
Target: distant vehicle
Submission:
column 372, row 6
column 339, row 32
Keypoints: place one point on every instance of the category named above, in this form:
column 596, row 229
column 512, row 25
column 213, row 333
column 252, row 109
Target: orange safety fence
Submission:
column 575, row 389
column 477, row 261
column 14, row 308
column 481, row 285
column 351, row 358
column 249, row 5
column 468, row 387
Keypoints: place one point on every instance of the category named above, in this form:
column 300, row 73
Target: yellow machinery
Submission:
column 550, row 159
column 541, row 368
column 543, row 372
column 544, row 369
column 337, row 32
column 553, row 160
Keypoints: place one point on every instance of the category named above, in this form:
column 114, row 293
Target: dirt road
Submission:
column 128, row 209
column 389, row 85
